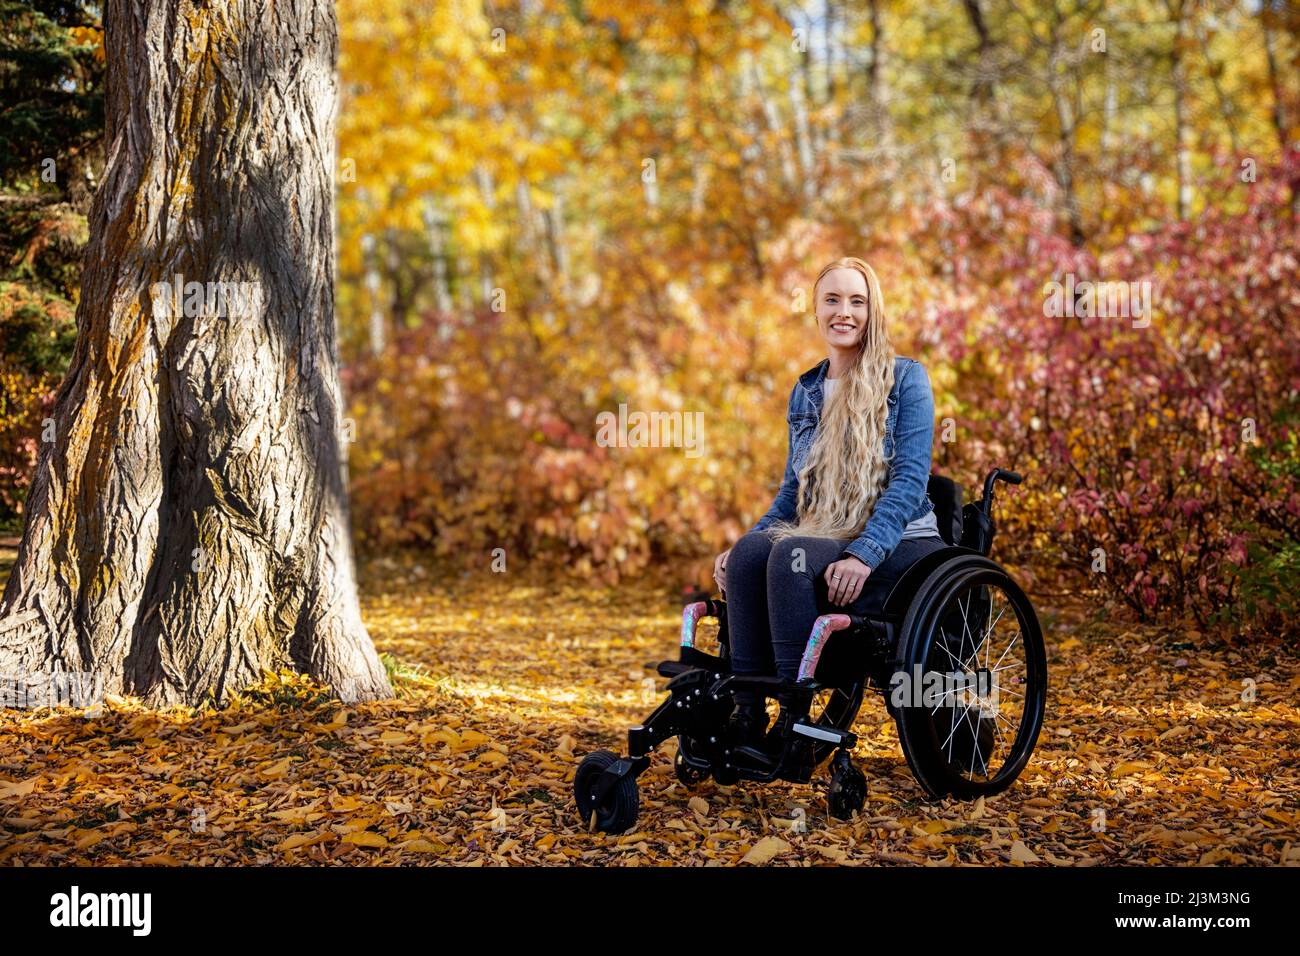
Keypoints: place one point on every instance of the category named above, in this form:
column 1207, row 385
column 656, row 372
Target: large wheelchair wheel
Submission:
column 970, row 685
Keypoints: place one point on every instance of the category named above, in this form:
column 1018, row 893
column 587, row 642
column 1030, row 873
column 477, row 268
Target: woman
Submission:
column 852, row 512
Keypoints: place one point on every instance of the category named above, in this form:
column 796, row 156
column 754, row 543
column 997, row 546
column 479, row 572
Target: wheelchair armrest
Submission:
column 879, row 635
column 697, row 611
column 822, row 629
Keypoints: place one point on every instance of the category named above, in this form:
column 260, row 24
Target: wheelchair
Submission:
column 957, row 654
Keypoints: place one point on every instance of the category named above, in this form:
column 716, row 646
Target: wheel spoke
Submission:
column 984, row 642
column 1007, row 651
column 940, row 703
column 944, row 648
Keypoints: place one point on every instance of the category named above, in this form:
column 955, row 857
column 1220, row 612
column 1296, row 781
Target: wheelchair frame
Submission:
column 868, row 656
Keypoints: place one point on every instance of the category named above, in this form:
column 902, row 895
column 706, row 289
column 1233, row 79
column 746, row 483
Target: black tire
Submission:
column 956, row 747
column 848, row 790
column 618, row 811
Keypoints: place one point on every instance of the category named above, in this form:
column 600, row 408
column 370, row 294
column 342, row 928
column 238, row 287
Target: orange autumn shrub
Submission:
column 37, row 333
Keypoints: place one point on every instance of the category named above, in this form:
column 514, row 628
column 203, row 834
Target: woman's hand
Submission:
column 720, row 570
column 845, row 578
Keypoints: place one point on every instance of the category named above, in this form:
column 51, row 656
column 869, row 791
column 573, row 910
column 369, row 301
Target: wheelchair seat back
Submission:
column 946, row 495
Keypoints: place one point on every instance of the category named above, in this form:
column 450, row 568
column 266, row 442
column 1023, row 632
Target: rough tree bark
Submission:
column 188, row 523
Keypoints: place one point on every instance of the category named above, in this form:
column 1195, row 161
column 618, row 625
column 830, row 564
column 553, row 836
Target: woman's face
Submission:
column 842, row 308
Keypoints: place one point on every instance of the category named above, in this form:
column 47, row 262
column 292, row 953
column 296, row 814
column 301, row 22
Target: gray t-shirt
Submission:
column 920, row 528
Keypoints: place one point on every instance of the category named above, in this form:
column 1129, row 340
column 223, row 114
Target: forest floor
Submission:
column 1151, row 753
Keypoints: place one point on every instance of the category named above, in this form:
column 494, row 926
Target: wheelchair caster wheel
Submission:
column 848, row 792
column 687, row 773
column 617, row 812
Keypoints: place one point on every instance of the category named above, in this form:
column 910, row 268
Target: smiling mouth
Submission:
column 842, row 327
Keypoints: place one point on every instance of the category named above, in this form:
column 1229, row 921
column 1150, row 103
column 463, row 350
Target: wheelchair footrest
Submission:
column 841, row 738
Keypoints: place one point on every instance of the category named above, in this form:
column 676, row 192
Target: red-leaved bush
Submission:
column 1160, row 452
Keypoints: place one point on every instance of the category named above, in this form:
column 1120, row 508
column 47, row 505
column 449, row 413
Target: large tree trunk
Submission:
column 188, row 524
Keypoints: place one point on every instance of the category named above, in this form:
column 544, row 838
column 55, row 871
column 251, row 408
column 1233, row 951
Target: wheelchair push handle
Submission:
column 980, row 529
column 997, row 474
column 1000, row 474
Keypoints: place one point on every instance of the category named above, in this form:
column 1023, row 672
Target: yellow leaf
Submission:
column 764, row 850
column 831, row 852
column 1131, row 766
column 89, row 839
column 1022, row 854
column 8, row 789
column 277, row 769
column 366, row 838
column 296, row 840
column 421, row 845
column 449, row 737
column 293, row 814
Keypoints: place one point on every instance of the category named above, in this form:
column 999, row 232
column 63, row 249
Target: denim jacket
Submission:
column 910, row 426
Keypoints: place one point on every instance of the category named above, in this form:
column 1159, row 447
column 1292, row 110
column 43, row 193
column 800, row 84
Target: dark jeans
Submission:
column 775, row 592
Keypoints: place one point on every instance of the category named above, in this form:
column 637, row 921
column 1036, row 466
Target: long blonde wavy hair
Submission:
column 845, row 470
